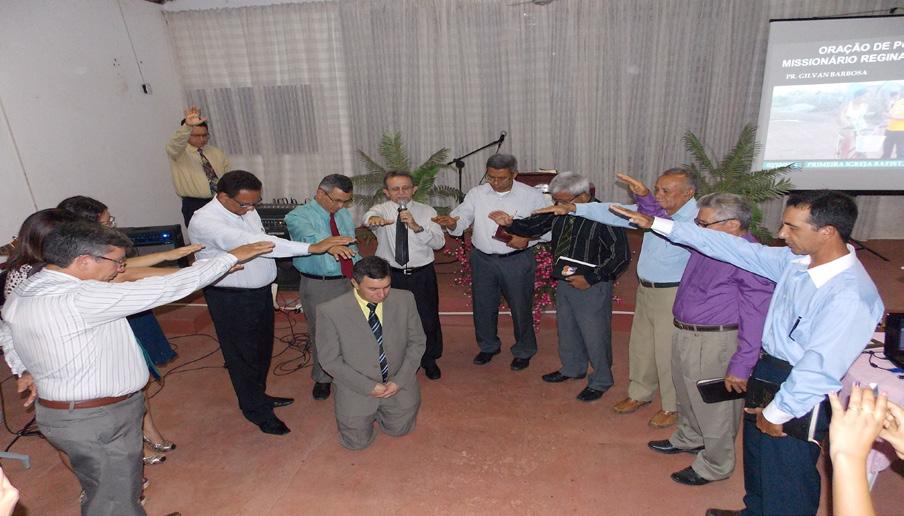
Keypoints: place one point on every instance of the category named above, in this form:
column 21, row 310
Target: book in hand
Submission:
column 812, row 426
column 502, row 235
column 714, row 391
column 565, row 267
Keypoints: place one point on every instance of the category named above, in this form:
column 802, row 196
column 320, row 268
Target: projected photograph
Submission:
column 840, row 121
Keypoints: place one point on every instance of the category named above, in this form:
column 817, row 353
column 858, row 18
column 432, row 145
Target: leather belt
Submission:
column 314, row 276
column 98, row 402
column 704, row 327
column 504, row 255
column 408, row 271
column 650, row 284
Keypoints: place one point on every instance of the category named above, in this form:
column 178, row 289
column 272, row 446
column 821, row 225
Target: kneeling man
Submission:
column 370, row 340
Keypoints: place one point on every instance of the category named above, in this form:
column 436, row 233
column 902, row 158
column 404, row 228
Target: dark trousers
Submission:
column 190, row 205
column 243, row 319
column 151, row 337
column 780, row 475
column 494, row 276
column 422, row 283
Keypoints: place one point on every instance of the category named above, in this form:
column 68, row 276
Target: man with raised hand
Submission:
column 823, row 313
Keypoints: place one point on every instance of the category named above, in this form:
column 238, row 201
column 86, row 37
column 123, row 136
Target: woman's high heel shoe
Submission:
column 164, row 446
column 153, row 459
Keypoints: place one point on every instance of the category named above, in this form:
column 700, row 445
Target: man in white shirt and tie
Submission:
column 406, row 238
column 241, row 304
column 499, row 269
column 66, row 325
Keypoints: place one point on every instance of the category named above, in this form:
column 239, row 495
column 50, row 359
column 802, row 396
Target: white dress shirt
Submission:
column 420, row 245
column 220, row 230
column 518, row 202
column 73, row 337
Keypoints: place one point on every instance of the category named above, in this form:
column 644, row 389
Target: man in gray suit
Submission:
column 370, row 340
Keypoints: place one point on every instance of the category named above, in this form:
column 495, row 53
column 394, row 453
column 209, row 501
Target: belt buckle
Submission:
column 406, row 271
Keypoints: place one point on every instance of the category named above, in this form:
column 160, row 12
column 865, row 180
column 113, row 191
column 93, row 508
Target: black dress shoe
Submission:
column 520, row 363
column 665, row 446
column 483, row 357
column 689, row 477
column 722, row 512
column 276, row 401
column 432, row 372
column 556, row 377
column 274, row 426
column 589, row 394
column 321, row 391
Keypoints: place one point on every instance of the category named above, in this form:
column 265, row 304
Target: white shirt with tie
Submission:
column 519, row 202
column 420, row 245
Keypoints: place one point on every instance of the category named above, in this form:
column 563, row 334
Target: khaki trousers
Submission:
column 650, row 347
column 703, row 356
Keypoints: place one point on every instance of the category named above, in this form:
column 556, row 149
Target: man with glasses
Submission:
column 499, row 269
column 67, row 326
column 719, row 314
column 583, row 301
column 659, row 269
column 195, row 166
column 406, row 238
column 241, row 304
column 323, row 277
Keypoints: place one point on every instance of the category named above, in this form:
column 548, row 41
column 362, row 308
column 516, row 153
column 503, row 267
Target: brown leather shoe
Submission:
column 628, row 405
column 722, row 512
column 664, row 419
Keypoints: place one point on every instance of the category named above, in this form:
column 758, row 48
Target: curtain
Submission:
column 594, row 86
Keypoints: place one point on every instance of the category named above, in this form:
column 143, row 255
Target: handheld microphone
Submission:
column 403, row 205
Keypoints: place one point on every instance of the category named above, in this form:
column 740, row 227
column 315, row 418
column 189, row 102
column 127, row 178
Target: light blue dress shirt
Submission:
column 311, row 223
column 820, row 319
column 660, row 260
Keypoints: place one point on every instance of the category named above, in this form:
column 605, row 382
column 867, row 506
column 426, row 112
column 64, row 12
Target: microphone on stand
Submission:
column 501, row 139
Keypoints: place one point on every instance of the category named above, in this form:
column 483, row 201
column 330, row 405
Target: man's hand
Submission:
column 637, row 188
column 518, row 242
column 446, row 221
column 405, row 217
column 328, row 242
column 378, row 391
column 578, row 281
column 249, row 251
column 764, row 425
column 638, row 219
column 502, row 218
column 853, row 431
column 193, row 116
column 377, row 220
column 181, row 252
column 557, row 209
column 391, row 390
column 735, row 384
column 340, row 252
column 27, row 383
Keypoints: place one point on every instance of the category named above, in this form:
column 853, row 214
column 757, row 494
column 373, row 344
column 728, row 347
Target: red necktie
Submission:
column 344, row 263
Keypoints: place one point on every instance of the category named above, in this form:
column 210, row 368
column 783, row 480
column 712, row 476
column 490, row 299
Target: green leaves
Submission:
column 733, row 175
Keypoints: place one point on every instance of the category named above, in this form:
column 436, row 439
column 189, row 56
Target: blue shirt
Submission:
column 819, row 319
column 660, row 260
column 311, row 223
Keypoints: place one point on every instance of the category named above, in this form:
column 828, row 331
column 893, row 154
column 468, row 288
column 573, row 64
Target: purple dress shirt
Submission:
column 715, row 293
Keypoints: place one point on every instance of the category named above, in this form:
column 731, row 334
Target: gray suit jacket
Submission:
column 348, row 350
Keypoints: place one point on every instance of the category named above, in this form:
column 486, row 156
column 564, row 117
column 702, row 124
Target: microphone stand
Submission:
column 460, row 165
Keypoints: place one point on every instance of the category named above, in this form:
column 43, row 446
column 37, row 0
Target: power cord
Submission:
column 875, row 354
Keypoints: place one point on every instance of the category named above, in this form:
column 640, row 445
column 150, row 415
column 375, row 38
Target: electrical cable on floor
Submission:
column 27, row 430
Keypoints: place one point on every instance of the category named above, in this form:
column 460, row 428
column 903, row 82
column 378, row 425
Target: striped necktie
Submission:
column 563, row 245
column 377, row 330
column 212, row 178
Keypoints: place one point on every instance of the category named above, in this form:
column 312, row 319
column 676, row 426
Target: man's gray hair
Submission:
column 689, row 179
column 73, row 239
column 336, row 181
column 728, row 206
column 503, row 161
column 570, row 182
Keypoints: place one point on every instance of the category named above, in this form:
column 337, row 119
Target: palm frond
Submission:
column 393, row 152
column 371, row 165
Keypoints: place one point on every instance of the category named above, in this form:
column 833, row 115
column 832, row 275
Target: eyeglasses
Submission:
column 121, row 263
column 338, row 201
column 497, row 179
column 244, row 205
column 704, row 224
column 110, row 223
